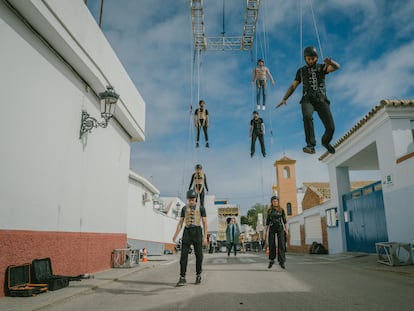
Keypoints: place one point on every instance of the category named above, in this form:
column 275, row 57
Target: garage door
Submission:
column 313, row 229
column 294, row 233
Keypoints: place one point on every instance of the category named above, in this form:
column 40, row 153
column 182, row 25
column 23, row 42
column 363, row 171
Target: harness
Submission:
column 198, row 181
column 192, row 216
column 201, row 116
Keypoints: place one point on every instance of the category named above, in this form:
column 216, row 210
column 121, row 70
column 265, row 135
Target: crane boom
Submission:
column 224, row 43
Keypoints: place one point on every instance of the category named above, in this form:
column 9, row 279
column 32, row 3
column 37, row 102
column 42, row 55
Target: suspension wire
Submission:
column 316, row 29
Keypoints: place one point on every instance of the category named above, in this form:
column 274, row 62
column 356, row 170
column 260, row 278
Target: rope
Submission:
column 316, row 29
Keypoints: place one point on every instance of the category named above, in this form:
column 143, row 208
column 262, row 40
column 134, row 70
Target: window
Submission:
column 286, row 172
column 289, row 208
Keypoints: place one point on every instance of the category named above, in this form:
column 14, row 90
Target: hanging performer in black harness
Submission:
column 276, row 226
column 199, row 180
column 192, row 216
column 314, row 98
column 201, row 121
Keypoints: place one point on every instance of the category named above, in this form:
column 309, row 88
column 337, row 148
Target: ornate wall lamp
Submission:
column 108, row 101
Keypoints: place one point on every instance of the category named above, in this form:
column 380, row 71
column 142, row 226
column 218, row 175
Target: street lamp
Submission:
column 108, row 100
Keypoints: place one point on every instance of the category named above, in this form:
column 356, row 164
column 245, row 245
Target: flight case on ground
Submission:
column 18, row 282
column 42, row 272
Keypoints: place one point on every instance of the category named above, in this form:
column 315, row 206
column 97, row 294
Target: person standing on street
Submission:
column 232, row 236
column 276, row 227
column 192, row 217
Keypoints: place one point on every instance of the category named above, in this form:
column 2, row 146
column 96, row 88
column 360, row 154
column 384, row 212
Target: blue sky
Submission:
column 372, row 40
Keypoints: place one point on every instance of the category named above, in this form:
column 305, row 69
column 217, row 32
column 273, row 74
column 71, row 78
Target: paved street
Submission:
column 310, row 282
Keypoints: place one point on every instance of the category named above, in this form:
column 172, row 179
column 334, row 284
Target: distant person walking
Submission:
column 194, row 219
column 276, row 228
column 232, row 235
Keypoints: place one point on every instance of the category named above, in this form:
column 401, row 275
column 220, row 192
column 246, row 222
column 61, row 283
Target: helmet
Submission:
column 198, row 166
column 191, row 194
column 275, row 197
column 310, row 51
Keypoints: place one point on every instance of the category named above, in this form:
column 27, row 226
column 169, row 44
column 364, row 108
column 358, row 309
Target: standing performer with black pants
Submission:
column 276, row 226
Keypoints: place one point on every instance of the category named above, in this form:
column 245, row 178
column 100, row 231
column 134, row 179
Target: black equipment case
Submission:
column 18, row 282
column 42, row 272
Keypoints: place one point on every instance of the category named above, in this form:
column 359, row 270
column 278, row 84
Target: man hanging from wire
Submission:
column 201, row 121
column 257, row 130
column 260, row 74
column 199, row 180
column 314, row 98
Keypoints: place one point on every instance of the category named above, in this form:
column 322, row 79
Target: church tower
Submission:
column 286, row 185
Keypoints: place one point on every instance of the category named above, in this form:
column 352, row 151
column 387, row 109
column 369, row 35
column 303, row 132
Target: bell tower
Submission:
column 286, row 185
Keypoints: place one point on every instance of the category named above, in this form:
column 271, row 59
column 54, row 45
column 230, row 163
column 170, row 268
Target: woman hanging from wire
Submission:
column 201, row 122
column 260, row 74
column 314, row 98
column 199, row 180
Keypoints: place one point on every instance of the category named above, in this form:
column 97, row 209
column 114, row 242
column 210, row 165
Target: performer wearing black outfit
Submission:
column 276, row 226
column 192, row 216
column 314, row 98
column 199, row 180
column 257, row 130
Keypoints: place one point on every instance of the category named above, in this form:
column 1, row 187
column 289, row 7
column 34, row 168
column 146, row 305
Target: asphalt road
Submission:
column 310, row 282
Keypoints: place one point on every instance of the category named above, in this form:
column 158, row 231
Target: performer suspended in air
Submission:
column 314, row 98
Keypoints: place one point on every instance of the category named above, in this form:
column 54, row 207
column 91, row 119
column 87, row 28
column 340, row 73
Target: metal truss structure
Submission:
column 223, row 43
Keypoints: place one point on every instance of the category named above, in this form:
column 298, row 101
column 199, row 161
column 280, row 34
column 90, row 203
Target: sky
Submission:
column 372, row 40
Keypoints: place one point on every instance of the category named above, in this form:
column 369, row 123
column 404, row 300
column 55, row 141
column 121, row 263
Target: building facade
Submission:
column 61, row 196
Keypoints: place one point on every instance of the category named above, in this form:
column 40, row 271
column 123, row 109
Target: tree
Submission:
column 252, row 214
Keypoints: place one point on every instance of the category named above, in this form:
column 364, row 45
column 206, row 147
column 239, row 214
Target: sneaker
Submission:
column 263, row 107
column 271, row 264
column 251, row 155
column 207, row 145
column 282, row 265
column 309, row 149
column 264, row 155
column 181, row 281
column 197, row 145
column 198, row 279
column 329, row 147
column 257, row 107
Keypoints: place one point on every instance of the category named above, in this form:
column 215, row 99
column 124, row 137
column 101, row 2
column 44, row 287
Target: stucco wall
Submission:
column 61, row 197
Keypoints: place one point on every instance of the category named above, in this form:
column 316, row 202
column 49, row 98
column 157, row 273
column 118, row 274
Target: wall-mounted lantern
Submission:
column 108, row 101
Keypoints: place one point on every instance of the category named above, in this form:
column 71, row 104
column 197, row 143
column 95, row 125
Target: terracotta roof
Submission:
column 323, row 189
column 384, row 103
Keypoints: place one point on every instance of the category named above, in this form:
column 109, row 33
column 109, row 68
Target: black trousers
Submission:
column 281, row 252
column 322, row 107
column 200, row 195
column 256, row 135
column 204, row 130
column 231, row 245
column 191, row 236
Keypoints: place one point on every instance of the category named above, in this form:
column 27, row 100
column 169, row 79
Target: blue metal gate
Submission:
column 364, row 216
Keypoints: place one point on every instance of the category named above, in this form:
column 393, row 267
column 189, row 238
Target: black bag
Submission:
column 18, row 282
column 42, row 272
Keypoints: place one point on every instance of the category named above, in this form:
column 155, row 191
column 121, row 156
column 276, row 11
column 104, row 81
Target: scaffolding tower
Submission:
column 223, row 43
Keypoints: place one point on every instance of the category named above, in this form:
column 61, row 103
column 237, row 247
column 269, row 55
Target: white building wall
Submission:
column 52, row 180
column 144, row 222
column 390, row 131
